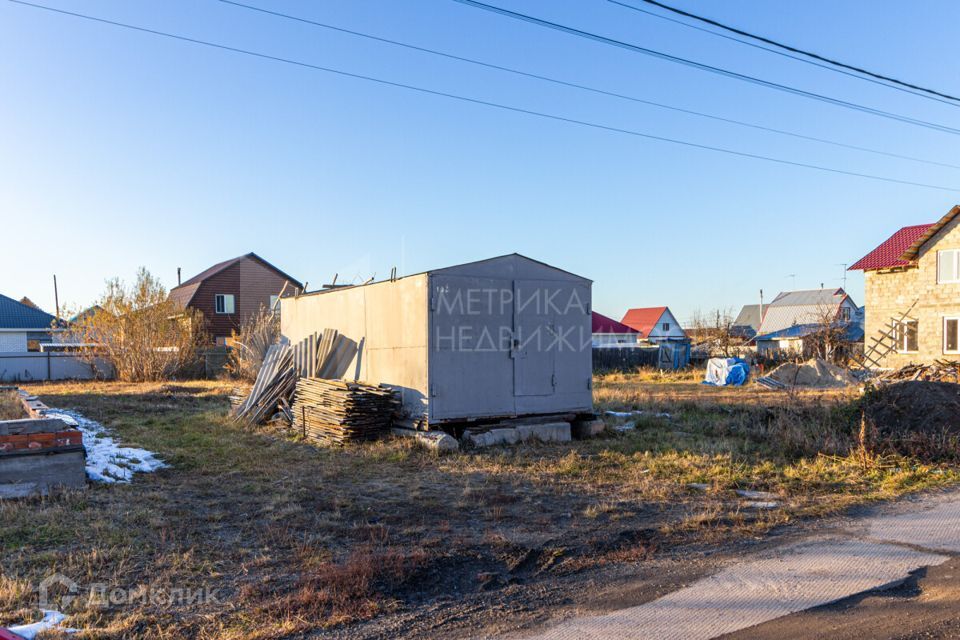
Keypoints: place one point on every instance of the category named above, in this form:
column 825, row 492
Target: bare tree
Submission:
column 827, row 339
column 140, row 332
column 714, row 330
column 257, row 334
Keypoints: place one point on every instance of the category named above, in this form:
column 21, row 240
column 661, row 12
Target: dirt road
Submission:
column 762, row 597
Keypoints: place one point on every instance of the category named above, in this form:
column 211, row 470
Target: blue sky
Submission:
column 122, row 149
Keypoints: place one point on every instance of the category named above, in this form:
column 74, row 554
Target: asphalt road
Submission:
column 890, row 574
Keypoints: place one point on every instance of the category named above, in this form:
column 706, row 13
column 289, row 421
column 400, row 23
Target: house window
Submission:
column 906, row 336
column 948, row 266
column 666, row 326
column 224, row 303
column 844, row 314
column 951, row 335
column 273, row 303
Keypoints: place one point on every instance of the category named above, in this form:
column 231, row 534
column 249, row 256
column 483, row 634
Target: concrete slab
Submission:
column 796, row 578
column 934, row 525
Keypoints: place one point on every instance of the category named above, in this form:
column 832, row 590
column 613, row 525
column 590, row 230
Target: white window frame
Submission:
column 945, row 319
column 846, row 313
column 901, row 337
column 955, row 256
column 220, row 302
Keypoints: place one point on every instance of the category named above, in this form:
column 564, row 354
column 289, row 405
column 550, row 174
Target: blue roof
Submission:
column 853, row 332
column 15, row 315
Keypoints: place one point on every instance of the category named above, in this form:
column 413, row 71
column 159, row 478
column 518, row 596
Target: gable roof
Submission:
column 889, row 253
column 791, row 308
column 913, row 250
column 902, row 248
column 643, row 319
column 603, row 324
column 16, row 315
column 749, row 316
column 183, row 293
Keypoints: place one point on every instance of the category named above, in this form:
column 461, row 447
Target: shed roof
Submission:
column 508, row 256
column 643, row 319
column 16, row 315
column 603, row 324
column 853, row 332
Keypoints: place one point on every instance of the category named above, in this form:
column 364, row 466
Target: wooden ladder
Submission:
column 883, row 344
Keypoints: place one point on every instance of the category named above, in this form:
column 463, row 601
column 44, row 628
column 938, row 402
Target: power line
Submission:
column 784, row 54
column 583, row 87
column 496, row 105
column 792, row 49
column 706, row 67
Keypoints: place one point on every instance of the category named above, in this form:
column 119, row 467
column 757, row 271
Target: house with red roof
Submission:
column 655, row 324
column 607, row 332
column 912, row 294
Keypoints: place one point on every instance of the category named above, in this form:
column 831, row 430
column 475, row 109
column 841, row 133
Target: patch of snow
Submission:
column 699, row 486
column 630, row 414
column 106, row 460
column 758, row 504
column 51, row 620
column 756, row 495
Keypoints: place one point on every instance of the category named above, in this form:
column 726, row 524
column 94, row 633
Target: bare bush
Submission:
column 249, row 347
column 140, row 332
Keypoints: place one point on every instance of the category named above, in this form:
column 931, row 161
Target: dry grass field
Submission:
column 385, row 540
column 10, row 407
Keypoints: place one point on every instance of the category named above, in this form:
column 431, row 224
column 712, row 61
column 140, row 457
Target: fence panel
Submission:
column 33, row 366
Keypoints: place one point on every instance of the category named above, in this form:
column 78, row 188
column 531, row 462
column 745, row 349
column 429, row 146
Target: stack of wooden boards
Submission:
column 939, row 371
column 271, row 391
column 284, row 363
column 337, row 411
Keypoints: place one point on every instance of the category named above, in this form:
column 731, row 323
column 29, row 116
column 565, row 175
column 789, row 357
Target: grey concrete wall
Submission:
column 24, row 367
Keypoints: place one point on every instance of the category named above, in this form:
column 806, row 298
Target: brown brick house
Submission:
column 229, row 292
column 912, row 290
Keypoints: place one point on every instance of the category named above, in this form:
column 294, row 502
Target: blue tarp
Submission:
column 722, row 372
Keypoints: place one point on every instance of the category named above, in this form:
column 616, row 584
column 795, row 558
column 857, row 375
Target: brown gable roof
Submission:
column 184, row 293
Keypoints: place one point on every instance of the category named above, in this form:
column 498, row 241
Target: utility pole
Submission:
column 56, row 296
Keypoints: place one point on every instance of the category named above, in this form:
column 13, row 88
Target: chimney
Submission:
column 178, row 276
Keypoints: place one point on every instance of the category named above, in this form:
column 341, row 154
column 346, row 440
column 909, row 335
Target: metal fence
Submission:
column 34, row 366
column 624, row 359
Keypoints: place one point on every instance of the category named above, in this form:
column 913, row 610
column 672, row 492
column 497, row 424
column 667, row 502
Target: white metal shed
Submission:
column 506, row 336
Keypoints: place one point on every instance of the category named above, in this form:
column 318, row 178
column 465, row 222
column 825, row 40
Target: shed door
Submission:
column 471, row 329
column 536, row 336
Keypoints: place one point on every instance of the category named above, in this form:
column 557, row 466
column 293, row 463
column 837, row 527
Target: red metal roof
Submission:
column 643, row 320
column 889, row 253
column 603, row 324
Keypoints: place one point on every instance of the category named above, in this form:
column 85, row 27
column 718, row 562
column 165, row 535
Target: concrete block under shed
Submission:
column 583, row 429
column 547, row 432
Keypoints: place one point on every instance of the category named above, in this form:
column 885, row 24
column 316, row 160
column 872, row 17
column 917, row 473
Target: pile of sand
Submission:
column 915, row 418
column 813, row 373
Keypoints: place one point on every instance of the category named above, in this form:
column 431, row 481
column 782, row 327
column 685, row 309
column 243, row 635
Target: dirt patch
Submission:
column 813, row 373
column 915, row 418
